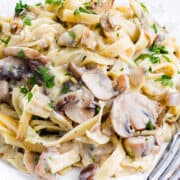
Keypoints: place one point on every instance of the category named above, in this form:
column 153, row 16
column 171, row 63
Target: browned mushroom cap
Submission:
column 88, row 172
column 99, row 84
column 139, row 146
column 26, row 53
column 123, row 83
column 173, row 99
column 132, row 112
column 78, row 105
column 4, row 95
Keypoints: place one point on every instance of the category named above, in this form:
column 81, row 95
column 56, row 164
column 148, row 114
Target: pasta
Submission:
column 86, row 84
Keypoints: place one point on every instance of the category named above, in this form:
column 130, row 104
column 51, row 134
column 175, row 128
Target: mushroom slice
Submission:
column 123, row 83
column 137, row 77
column 12, row 68
column 82, row 109
column 139, row 146
column 4, row 95
column 75, row 70
column 132, row 112
column 27, row 53
column 99, row 84
column 77, row 105
column 100, row 6
column 88, row 172
column 173, row 99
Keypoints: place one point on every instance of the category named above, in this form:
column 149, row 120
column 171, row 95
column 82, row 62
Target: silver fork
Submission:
column 169, row 164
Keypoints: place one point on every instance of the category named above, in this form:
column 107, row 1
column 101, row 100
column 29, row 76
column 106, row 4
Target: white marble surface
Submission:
column 166, row 12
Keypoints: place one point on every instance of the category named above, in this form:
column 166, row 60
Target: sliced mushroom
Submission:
column 12, row 68
column 4, row 95
column 111, row 21
column 132, row 112
column 139, row 146
column 77, row 105
column 100, row 6
column 79, row 34
column 123, row 83
column 88, row 172
column 99, row 84
column 137, row 77
column 27, row 53
column 75, row 70
column 173, row 99
column 95, row 79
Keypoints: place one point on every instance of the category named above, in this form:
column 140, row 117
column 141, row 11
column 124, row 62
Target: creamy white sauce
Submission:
column 166, row 13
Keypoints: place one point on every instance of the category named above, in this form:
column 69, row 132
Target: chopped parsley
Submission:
column 58, row 2
column 20, row 54
column 53, row 63
column 178, row 71
column 83, row 10
column 66, row 88
column 27, row 21
column 155, row 28
column 29, row 96
column 98, row 25
column 72, row 34
column 166, row 58
column 98, row 109
column 121, row 69
column 23, row 90
column 20, row 7
column 154, row 59
column 6, row 41
column 33, row 80
column 165, row 80
column 144, row 7
column 51, row 104
column 150, row 69
column 48, row 79
column 158, row 50
column 149, row 125
column 39, row 4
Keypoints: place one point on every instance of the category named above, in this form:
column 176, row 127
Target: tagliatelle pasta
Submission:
column 86, row 84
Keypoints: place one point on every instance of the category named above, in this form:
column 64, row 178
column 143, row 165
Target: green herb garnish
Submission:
column 154, row 59
column 33, row 80
column 155, row 28
column 51, row 104
column 58, row 2
column 165, row 80
column 66, row 88
column 29, row 96
column 72, row 34
column 6, row 41
column 98, row 108
column 20, row 7
column 47, row 78
column 150, row 69
column 23, row 90
column 158, row 50
column 166, row 58
column 121, row 69
column 27, row 21
column 149, row 125
column 83, row 10
column 20, row 54
column 39, row 4
column 144, row 7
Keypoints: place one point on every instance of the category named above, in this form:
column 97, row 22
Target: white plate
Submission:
column 166, row 13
